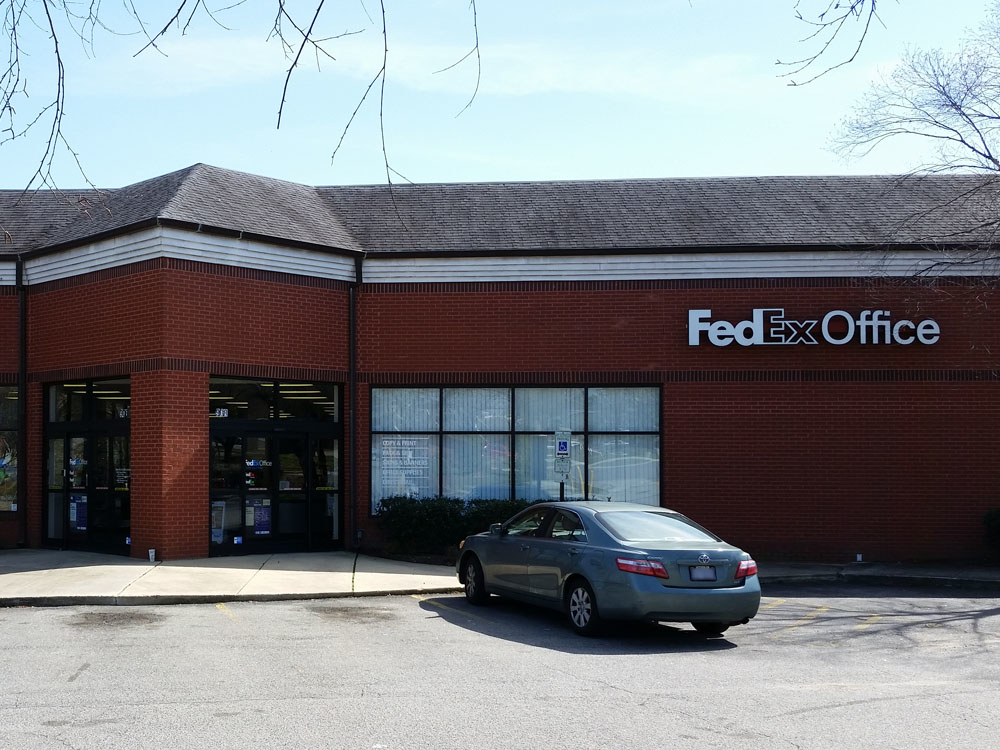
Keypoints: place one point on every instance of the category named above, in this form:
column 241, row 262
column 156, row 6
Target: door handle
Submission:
column 525, row 547
column 573, row 551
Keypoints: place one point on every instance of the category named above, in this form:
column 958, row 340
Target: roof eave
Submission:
column 669, row 250
column 191, row 227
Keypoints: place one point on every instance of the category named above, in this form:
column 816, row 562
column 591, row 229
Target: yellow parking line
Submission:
column 439, row 605
column 869, row 622
column 225, row 610
column 775, row 603
column 805, row 620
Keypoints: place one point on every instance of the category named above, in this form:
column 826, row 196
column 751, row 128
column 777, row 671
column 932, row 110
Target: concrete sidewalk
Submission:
column 57, row 578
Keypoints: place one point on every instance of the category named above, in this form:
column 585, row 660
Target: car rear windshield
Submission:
column 653, row 526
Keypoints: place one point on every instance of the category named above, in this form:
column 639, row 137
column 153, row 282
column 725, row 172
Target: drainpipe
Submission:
column 22, row 399
column 352, row 384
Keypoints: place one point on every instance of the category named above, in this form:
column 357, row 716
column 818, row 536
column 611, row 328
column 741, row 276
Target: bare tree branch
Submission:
column 306, row 40
column 827, row 28
column 479, row 59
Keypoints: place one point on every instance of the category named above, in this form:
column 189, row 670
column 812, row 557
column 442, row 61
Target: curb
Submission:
column 169, row 599
column 881, row 579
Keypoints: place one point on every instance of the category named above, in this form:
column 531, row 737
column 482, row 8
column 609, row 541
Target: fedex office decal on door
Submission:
column 768, row 325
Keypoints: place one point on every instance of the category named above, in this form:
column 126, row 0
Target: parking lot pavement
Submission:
column 823, row 665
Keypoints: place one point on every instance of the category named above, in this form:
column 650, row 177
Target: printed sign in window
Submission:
column 406, row 466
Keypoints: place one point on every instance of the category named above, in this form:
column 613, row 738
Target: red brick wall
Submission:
column 170, row 325
column 209, row 314
column 8, row 330
column 169, row 416
column 830, row 470
column 548, row 327
column 34, row 467
column 817, row 452
column 820, row 451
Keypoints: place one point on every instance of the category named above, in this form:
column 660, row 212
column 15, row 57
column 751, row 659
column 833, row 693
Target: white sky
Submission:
column 569, row 90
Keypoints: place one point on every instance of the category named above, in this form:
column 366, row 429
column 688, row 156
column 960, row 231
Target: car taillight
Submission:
column 747, row 568
column 642, row 567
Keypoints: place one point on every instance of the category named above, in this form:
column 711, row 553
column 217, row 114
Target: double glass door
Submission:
column 274, row 491
column 89, row 491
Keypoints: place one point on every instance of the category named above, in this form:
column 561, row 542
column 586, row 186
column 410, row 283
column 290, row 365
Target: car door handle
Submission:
column 525, row 547
column 574, row 551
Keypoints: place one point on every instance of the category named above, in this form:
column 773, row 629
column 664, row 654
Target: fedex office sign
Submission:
column 769, row 325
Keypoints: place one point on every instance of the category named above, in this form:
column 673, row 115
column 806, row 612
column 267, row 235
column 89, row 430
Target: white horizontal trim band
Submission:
column 672, row 266
column 160, row 242
column 165, row 242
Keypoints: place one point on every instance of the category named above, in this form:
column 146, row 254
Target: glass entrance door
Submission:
column 324, row 493
column 273, row 491
column 89, row 480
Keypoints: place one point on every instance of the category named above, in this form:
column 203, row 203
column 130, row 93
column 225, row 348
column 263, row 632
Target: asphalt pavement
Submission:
column 31, row 577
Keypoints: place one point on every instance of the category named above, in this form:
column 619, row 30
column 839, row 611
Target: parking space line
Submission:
column 439, row 605
column 803, row 621
column 775, row 603
column 225, row 610
column 868, row 623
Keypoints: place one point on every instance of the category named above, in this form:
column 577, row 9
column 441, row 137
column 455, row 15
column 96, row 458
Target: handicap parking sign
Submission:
column 562, row 444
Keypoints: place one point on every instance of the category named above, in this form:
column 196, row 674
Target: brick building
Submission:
column 211, row 362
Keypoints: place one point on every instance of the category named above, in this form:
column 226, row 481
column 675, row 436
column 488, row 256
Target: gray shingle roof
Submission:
column 599, row 215
column 218, row 199
column 754, row 212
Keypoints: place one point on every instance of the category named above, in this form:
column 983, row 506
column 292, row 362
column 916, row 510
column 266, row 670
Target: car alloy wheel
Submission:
column 581, row 607
column 475, row 587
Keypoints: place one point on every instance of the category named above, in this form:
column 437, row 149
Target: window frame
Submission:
column 512, row 433
column 13, row 429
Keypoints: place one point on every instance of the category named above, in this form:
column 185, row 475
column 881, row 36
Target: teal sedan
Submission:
column 599, row 561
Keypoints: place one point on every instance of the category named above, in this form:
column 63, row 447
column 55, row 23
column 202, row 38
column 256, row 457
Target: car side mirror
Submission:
column 496, row 529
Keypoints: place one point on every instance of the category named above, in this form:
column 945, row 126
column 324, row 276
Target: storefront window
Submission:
column 112, row 399
column 547, row 409
column 8, row 448
column 66, row 402
column 405, row 464
column 406, row 409
column 88, row 464
column 8, row 407
column 477, row 409
column 240, row 399
column 274, row 472
column 499, row 443
column 8, row 470
column 237, row 398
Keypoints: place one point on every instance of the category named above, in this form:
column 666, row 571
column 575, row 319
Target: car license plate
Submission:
column 702, row 573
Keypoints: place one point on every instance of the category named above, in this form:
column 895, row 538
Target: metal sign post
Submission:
column 561, row 463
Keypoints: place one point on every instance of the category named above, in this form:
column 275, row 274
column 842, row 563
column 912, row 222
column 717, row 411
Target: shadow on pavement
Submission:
column 515, row 622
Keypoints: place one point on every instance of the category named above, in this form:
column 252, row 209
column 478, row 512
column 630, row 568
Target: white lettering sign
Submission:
column 769, row 326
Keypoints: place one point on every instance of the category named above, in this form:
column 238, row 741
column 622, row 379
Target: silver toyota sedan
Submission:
column 600, row 561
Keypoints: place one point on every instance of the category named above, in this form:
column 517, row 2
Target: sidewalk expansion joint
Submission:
column 139, row 578
column 262, row 564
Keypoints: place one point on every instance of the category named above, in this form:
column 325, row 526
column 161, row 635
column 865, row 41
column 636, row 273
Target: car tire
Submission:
column 581, row 608
column 475, row 583
column 710, row 628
